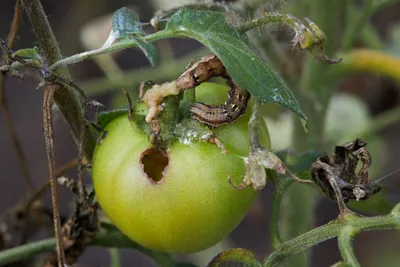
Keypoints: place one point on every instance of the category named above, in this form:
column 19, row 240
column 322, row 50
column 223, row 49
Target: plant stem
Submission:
column 345, row 240
column 115, row 258
column 331, row 230
column 272, row 17
column 68, row 101
column 111, row 238
column 108, row 49
column 276, row 240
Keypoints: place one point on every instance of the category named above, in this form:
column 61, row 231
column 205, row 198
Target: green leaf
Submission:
column 234, row 257
column 103, row 118
column 126, row 25
column 28, row 53
column 125, row 22
column 149, row 50
column 246, row 68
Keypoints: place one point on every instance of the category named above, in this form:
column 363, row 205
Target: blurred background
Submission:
column 365, row 101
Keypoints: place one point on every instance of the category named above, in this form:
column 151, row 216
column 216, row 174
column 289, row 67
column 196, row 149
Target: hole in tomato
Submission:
column 154, row 161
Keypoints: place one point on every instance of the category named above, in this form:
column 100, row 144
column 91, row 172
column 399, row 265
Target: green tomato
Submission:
column 178, row 199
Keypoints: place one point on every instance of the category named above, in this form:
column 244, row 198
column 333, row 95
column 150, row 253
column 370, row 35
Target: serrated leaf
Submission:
column 126, row 25
column 231, row 46
column 238, row 257
column 125, row 22
column 29, row 53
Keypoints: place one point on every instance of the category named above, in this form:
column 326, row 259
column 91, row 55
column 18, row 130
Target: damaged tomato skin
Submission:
column 193, row 206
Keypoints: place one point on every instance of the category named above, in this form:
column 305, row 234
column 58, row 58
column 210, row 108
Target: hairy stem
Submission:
column 276, row 240
column 68, row 101
column 107, row 49
column 273, row 17
column 331, row 230
column 345, row 240
column 110, row 238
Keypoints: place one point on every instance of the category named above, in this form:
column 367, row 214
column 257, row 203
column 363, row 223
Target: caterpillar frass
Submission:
column 236, row 104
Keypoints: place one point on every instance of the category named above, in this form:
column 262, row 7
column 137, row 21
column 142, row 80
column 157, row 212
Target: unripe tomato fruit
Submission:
column 179, row 200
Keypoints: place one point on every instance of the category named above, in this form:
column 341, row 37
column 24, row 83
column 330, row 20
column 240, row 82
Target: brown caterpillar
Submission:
column 236, row 104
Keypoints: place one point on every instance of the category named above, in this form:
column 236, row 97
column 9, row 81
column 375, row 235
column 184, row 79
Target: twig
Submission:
column 4, row 105
column 50, row 149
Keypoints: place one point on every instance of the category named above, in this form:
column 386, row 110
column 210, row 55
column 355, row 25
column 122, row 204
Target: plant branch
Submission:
column 124, row 44
column 23, row 164
column 331, row 230
column 109, row 238
column 271, row 17
column 345, row 240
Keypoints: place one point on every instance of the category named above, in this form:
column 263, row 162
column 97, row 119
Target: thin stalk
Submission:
column 108, row 49
column 272, row 17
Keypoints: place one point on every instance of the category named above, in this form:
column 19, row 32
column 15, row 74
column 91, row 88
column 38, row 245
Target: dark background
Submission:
column 67, row 18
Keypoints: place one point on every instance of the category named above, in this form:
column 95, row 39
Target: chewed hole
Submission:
column 154, row 161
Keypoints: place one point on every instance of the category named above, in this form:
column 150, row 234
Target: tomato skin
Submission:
column 193, row 206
